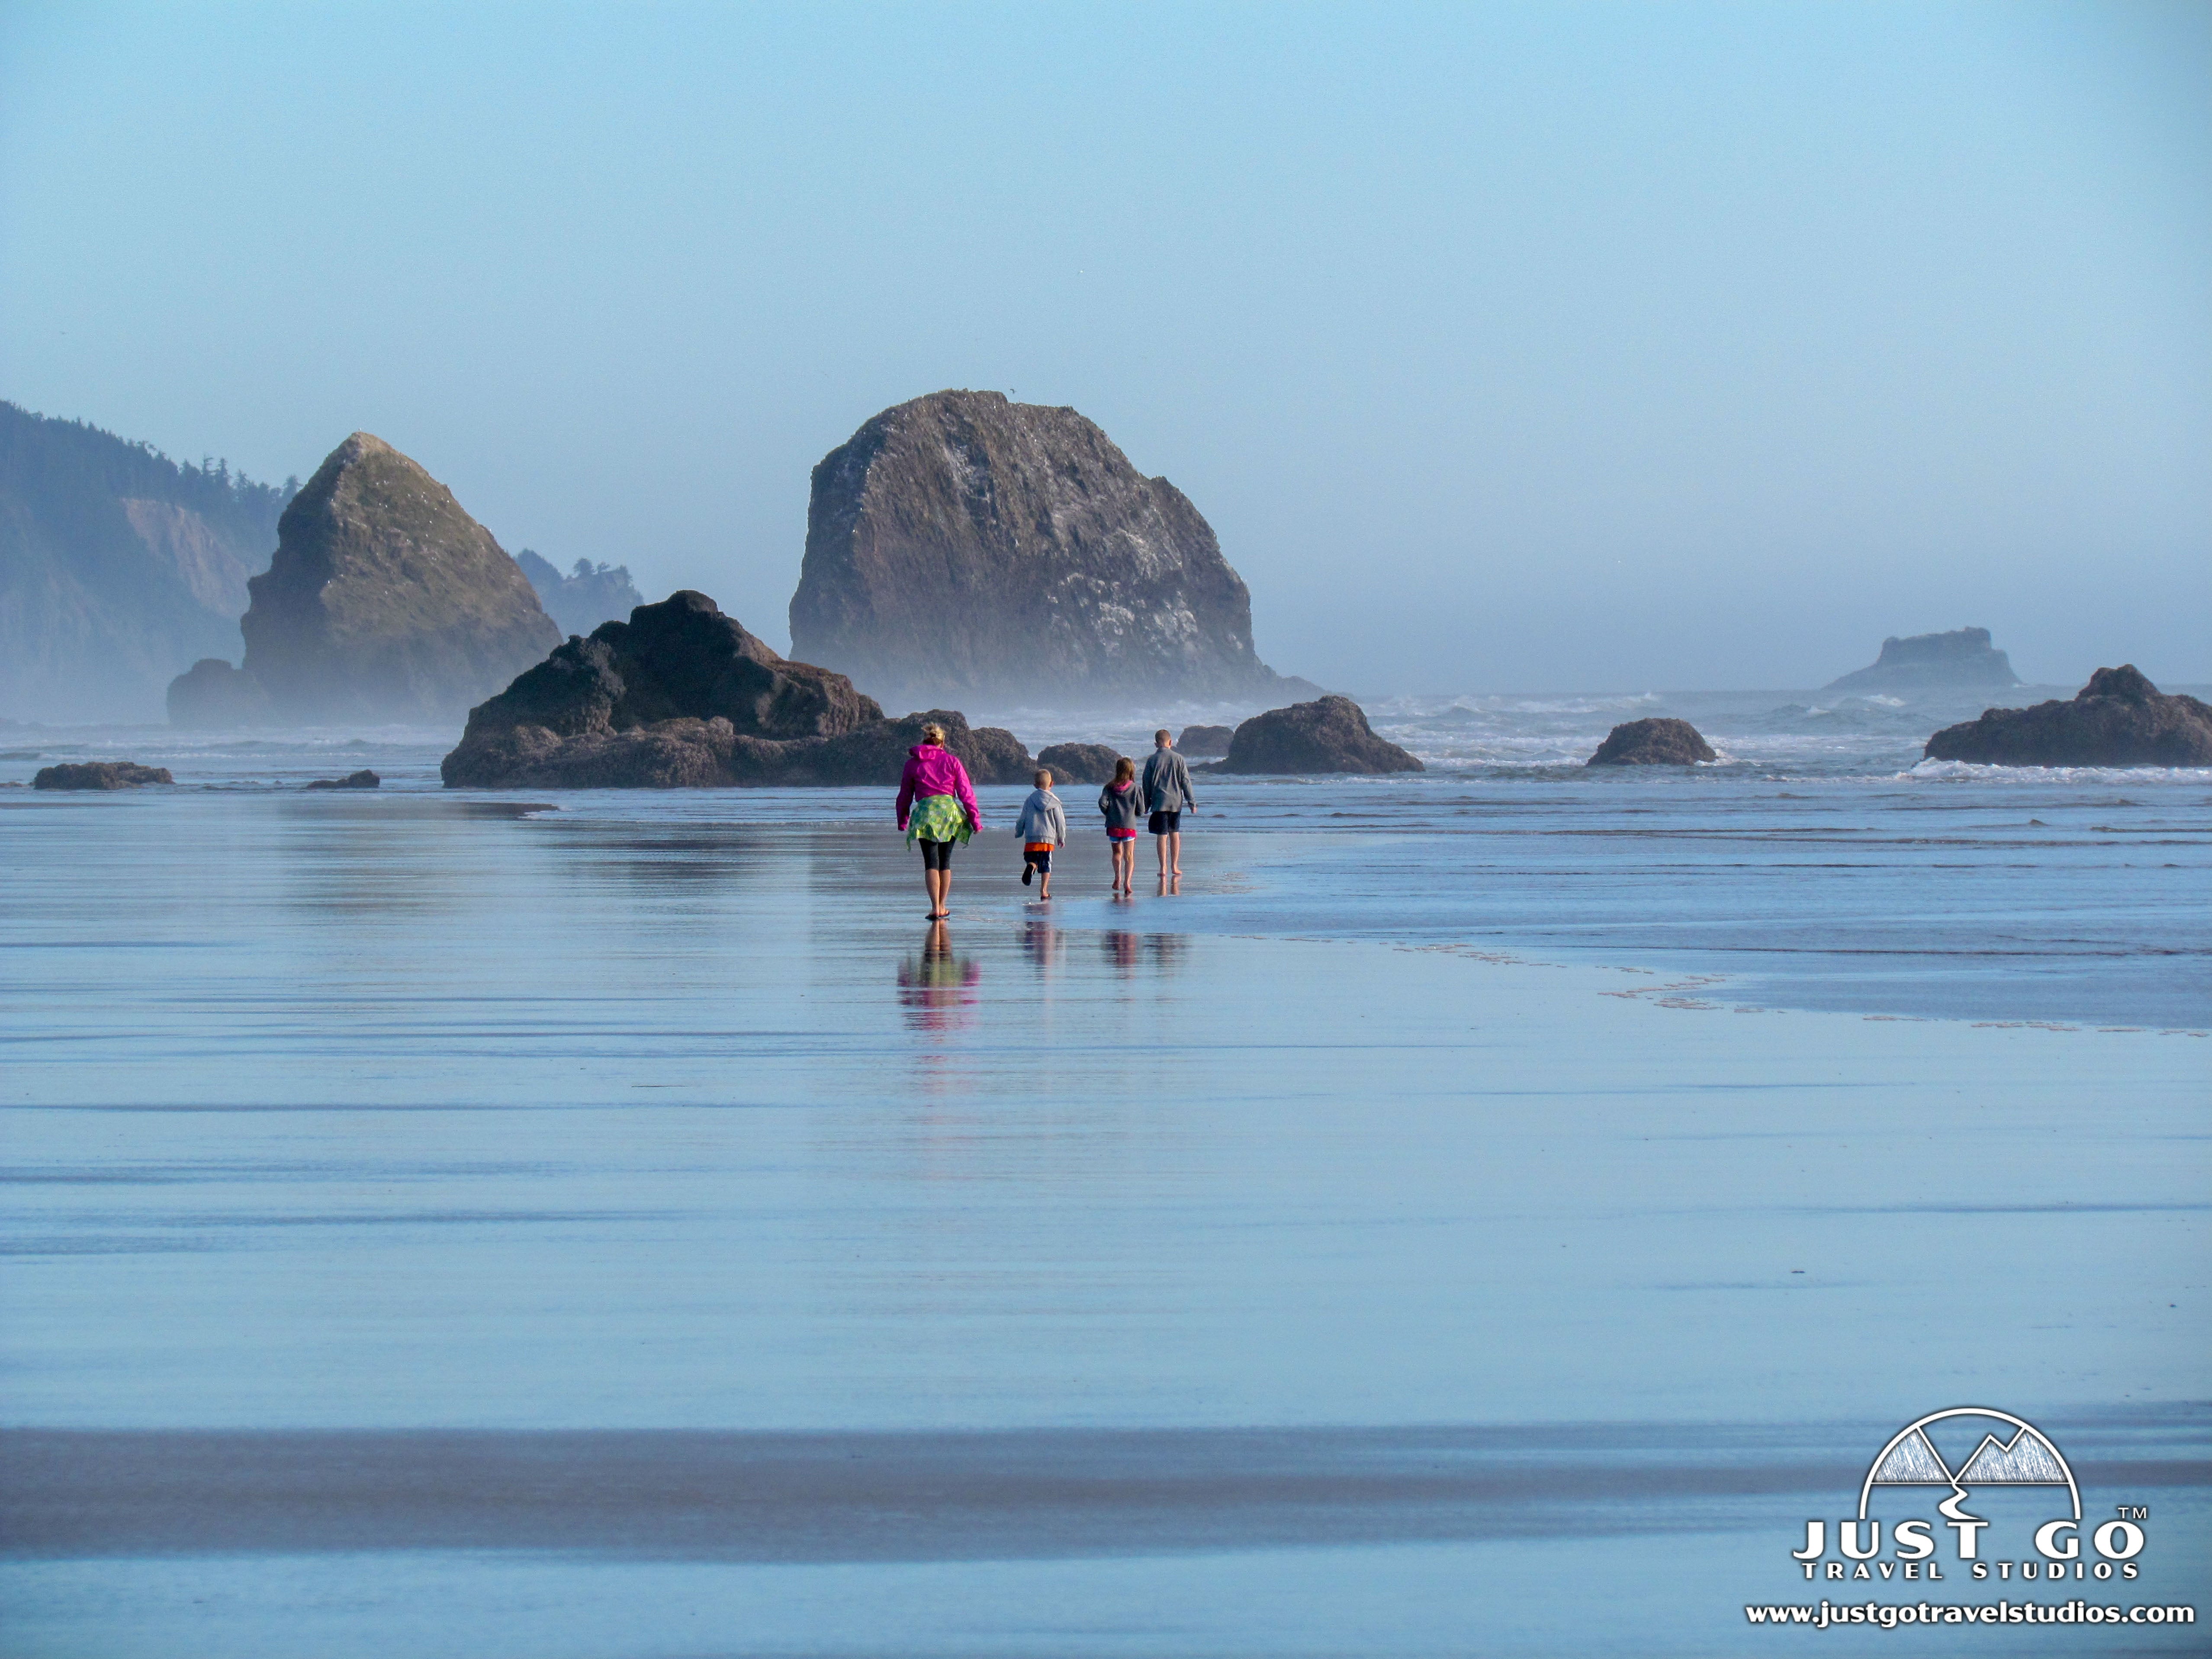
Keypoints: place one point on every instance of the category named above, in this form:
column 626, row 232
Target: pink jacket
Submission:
column 930, row 770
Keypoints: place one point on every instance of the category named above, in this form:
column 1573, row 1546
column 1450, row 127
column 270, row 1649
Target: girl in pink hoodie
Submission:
column 936, row 809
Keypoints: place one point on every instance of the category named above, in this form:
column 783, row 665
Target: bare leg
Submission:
column 1160, row 846
column 944, row 890
column 929, row 885
column 1174, row 849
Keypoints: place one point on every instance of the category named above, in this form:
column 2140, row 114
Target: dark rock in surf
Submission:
column 2118, row 719
column 364, row 779
column 1079, row 762
column 1205, row 741
column 1660, row 742
column 682, row 696
column 100, row 775
column 1330, row 734
column 962, row 545
column 1964, row 658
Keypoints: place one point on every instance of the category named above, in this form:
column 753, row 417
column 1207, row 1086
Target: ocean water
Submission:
column 1483, row 1211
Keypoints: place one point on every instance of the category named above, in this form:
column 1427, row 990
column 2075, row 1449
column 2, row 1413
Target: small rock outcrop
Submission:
column 1962, row 659
column 1205, row 741
column 1660, row 742
column 964, row 545
column 1330, row 734
column 385, row 601
column 1079, row 762
column 2118, row 719
column 100, row 775
column 213, row 694
column 682, row 696
column 587, row 596
column 364, row 779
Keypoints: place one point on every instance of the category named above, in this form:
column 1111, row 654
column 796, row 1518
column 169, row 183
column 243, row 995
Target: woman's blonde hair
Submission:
column 932, row 732
column 1125, row 769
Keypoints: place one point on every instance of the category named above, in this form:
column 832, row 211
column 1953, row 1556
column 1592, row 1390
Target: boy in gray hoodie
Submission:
column 1042, row 827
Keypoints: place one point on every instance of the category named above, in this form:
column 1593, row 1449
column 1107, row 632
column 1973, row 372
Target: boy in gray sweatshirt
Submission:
column 1042, row 827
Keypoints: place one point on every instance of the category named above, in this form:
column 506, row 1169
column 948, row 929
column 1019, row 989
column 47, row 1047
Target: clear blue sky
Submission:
column 1573, row 346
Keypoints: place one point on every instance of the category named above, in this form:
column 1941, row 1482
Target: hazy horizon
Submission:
column 1505, row 349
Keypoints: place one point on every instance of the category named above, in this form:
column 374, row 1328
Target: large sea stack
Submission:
column 682, row 696
column 962, row 545
column 1962, row 659
column 385, row 601
column 2118, row 719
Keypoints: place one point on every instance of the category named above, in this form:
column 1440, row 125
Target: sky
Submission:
column 1505, row 347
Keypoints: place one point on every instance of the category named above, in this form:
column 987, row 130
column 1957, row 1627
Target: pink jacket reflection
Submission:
column 931, row 770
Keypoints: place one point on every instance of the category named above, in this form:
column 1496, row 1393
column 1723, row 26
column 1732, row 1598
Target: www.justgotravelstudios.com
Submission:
column 1828, row 1615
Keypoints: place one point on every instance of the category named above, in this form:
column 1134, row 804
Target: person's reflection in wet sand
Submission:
column 936, row 987
column 1166, row 950
column 1170, row 886
column 1044, row 944
column 1123, row 951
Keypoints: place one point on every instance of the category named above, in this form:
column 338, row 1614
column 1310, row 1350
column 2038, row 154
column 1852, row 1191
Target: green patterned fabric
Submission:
column 938, row 818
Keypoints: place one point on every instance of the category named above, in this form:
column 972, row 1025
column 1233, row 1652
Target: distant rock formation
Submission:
column 385, row 601
column 587, row 596
column 1205, row 742
column 212, row 693
column 682, row 696
column 1660, row 742
column 1079, row 762
column 364, row 779
column 118, row 568
column 964, row 545
column 100, row 775
column 2118, row 719
column 1927, row 662
column 1330, row 734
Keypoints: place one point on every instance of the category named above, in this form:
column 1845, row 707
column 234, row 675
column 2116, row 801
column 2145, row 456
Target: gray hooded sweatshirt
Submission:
column 1041, row 819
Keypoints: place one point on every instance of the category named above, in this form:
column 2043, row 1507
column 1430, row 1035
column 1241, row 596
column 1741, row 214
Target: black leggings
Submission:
column 936, row 854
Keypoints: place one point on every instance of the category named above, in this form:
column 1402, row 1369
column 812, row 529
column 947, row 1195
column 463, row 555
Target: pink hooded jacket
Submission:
column 930, row 770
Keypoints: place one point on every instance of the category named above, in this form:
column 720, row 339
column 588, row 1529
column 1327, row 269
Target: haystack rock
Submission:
column 963, row 545
column 1079, row 762
column 2118, row 719
column 682, row 696
column 1205, row 742
column 1964, row 658
column 1330, row 734
column 385, row 601
column 1660, row 742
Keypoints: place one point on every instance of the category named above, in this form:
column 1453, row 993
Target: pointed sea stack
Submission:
column 962, row 545
column 385, row 601
column 2118, row 719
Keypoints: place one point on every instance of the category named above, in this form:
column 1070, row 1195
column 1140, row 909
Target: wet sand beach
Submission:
column 438, row 1226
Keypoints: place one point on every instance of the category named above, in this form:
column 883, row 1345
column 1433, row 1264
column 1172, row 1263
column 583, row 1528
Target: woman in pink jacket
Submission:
column 936, row 809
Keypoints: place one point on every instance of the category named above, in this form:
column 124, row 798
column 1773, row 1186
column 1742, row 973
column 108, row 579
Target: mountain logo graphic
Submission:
column 2026, row 1458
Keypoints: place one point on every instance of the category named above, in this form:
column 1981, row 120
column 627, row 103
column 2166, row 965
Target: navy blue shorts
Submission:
column 1040, row 862
column 1167, row 823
